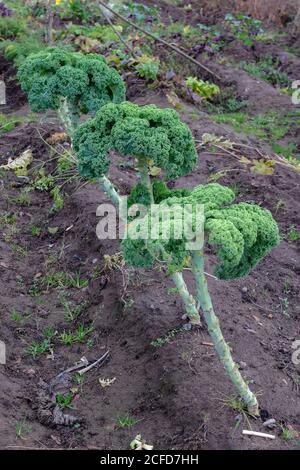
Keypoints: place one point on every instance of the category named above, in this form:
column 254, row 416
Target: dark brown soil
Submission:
column 176, row 388
column 14, row 95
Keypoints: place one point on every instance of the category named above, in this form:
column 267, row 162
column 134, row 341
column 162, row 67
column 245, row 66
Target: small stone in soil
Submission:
column 270, row 423
column 187, row 326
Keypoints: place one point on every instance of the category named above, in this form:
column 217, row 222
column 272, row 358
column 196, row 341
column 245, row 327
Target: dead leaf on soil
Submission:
column 245, row 160
column 57, row 137
column 106, row 382
column 153, row 170
column 220, row 141
column 20, row 164
column 140, row 444
column 173, row 100
column 263, row 167
column 294, row 433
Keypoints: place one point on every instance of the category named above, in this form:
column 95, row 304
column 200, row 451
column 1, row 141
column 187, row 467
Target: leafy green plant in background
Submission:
column 12, row 27
column 200, row 87
column 268, row 70
column 70, row 83
column 75, row 9
column 245, row 28
column 270, row 126
column 21, row 47
column 147, row 67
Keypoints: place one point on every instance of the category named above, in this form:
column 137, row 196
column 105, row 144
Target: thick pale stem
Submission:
column 110, row 190
column 214, row 329
column 145, row 178
column 68, row 117
column 187, row 299
column 50, row 18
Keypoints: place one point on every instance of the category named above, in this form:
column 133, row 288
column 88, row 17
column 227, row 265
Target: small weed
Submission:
column 238, row 406
column 127, row 302
column 7, row 219
column 17, row 317
column 58, row 200
column 43, row 182
column 21, row 250
column 286, row 433
column 288, row 152
column 22, row 428
column 35, row 230
column 147, row 67
column 55, row 279
column 159, row 342
column 77, row 281
column 79, row 336
column 245, row 28
column 271, row 126
column 37, row 348
column 293, row 234
column 10, row 232
column 63, row 280
column 285, row 306
column 49, row 334
column 71, row 312
column 79, row 380
column 23, row 199
column 234, row 105
column 34, row 290
column 65, row 163
column 64, row 401
column 127, row 421
column 280, row 205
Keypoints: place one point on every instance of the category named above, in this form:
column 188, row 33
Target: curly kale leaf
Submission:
column 242, row 233
column 144, row 132
column 140, row 194
column 86, row 81
column 258, row 235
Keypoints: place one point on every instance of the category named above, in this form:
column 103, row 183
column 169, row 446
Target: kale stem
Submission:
column 217, row 337
column 68, row 116
column 110, row 190
column 145, row 178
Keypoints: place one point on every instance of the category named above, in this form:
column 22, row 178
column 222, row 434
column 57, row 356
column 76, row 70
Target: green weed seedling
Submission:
column 64, row 401
column 79, row 336
column 127, row 421
column 36, row 349
column 22, row 428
